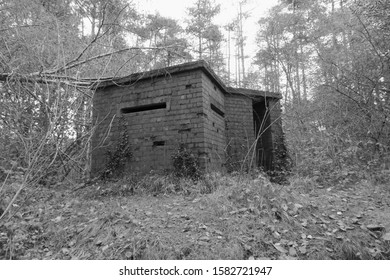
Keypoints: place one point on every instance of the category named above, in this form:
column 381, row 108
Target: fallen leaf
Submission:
column 302, row 249
column 374, row 252
column 129, row 254
column 48, row 254
column 340, row 223
column 204, row 238
column 285, row 257
column 283, row 241
column 276, row 234
column 324, row 221
column 202, row 226
column 241, row 210
column 280, row 248
column 65, row 251
column 292, row 243
column 375, row 227
column 292, row 252
column 298, row 206
column 57, row 219
column 355, row 221
column 386, row 237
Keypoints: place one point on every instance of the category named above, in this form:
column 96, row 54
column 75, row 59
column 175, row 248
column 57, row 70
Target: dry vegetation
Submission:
column 218, row 217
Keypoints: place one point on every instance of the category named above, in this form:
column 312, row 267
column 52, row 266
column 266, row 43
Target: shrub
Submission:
column 185, row 164
column 282, row 166
column 118, row 157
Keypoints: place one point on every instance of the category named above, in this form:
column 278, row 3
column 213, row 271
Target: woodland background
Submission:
column 329, row 59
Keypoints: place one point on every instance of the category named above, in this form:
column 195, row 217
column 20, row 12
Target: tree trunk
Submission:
column 304, row 85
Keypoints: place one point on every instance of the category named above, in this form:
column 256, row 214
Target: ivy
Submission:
column 185, row 164
column 120, row 155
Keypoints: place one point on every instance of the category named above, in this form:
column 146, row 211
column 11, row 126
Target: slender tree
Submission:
column 208, row 35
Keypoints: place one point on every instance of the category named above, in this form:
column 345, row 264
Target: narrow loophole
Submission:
column 217, row 110
column 142, row 108
column 158, row 143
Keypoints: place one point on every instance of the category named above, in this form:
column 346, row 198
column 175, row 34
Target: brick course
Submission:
column 240, row 132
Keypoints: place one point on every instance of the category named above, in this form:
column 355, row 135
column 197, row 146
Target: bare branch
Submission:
column 97, row 36
column 112, row 53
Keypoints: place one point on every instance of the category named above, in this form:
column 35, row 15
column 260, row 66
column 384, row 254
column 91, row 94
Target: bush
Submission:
column 118, row 157
column 185, row 164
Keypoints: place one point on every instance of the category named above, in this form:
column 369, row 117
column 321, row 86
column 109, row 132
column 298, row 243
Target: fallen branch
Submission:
column 49, row 77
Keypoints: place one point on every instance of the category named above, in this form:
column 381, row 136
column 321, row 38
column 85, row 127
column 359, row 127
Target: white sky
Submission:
column 229, row 8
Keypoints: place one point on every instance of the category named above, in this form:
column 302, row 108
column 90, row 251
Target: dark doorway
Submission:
column 263, row 134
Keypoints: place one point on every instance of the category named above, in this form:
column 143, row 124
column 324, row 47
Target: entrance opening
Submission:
column 263, row 134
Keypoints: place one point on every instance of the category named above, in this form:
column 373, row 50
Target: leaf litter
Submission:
column 241, row 219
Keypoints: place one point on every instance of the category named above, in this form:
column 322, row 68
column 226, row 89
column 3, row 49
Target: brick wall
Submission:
column 214, row 125
column 155, row 134
column 186, row 107
column 239, row 132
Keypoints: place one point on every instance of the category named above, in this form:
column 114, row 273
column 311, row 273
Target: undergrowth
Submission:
column 185, row 164
column 217, row 216
column 118, row 156
column 157, row 184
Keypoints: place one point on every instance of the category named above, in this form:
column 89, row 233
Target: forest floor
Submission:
column 234, row 218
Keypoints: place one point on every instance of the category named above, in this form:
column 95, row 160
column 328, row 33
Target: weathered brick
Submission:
column 189, row 118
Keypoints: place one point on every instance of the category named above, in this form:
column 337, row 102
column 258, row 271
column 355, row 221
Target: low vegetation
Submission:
column 217, row 217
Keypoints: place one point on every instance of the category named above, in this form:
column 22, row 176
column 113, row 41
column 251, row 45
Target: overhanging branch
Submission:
column 50, row 76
